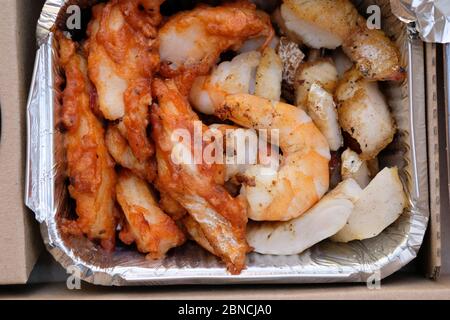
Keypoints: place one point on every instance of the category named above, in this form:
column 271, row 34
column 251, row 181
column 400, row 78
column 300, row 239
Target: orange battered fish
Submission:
column 145, row 223
column 90, row 168
column 190, row 42
column 123, row 55
column 197, row 187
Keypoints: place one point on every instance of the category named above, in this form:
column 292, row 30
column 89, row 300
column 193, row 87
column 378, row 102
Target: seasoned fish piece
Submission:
column 196, row 187
column 90, row 168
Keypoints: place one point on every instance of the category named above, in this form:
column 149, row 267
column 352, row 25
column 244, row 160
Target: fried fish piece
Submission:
column 90, row 168
column 123, row 55
column 192, row 41
column 170, row 206
column 154, row 232
column 120, row 150
column 195, row 232
column 196, row 187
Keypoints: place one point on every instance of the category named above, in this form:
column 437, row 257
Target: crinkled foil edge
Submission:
column 323, row 263
column 47, row 19
column 431, row 17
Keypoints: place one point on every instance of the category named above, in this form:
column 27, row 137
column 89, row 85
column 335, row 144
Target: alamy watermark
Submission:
column 73, row 281
column 214, row 146
column 374, row 18
column 228, row 146
column 73, row 21
column 374, row 281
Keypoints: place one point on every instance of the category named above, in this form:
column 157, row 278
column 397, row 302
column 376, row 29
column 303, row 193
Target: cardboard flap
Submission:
column 19, row 242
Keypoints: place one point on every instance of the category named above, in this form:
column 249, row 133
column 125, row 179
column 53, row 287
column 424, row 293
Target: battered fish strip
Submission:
column 90, row 168
column 175, row 210
column 154, row 232
column 121, row 152
column 197, row 187
column 192, row 41
column 195, row 232
column 123, row 55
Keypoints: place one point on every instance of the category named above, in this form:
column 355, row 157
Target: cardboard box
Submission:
column 19, row 237
column 20, row 243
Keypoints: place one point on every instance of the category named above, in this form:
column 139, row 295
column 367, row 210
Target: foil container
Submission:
column 447, row 106
column 430, row 17
column 356, row 261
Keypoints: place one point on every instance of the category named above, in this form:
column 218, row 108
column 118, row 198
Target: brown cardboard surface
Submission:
column 19, row 242
column 18, row 235
column 400, row 286
column 433, row 259
column 443, row 164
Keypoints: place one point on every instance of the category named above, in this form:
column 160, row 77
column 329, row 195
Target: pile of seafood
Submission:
column 307, row 70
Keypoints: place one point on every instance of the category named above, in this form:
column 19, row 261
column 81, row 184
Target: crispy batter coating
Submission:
column 195, row 232
column 123, row 55
column 145, row 223
column 121, row 152
column 195, row 186
column 90, row 168
column 142, row 15
column 170, row 206
column 192, row 41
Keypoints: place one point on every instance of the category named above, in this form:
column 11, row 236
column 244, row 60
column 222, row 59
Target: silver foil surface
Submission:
column 356, row 261
column 431, row 17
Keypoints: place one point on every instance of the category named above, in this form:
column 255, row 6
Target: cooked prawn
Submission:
column 192, row 41
column 237, row 139
column 90, row 168
column 229, row 77
column 196, row 186
column 258, row 44
column 122, row 57
column 249, row 72
column 145, row 223
column 302, row 178
column 269, row 75
column 233, row 138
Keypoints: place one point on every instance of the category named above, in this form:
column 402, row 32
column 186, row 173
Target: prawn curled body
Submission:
column 302, row 178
